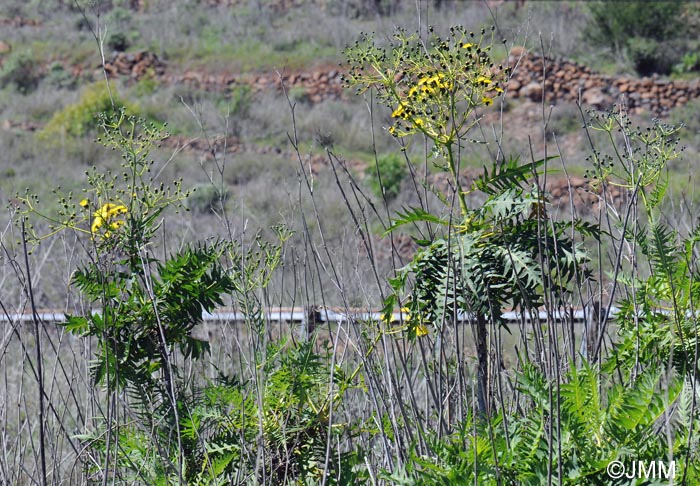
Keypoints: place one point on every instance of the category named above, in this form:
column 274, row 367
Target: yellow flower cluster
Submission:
column 400, row 112
column 410, row 323
column 108, row 216
column 420, row 328
column 429, row 85
column 423, row 107
column 488, row 82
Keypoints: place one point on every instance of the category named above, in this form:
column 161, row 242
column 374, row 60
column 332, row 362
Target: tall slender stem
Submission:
column 458, row 186
column 39, row 365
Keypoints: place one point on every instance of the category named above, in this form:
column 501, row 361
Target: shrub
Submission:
column 58, row 76
column 640, row 31
column 118, row 42
column 689, row 63
column 80, row 118
column 386, row 177
column 237, row 107
column 206, row 198
column 22, row 70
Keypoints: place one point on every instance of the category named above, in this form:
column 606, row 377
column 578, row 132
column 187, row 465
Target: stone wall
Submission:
column 568, row 81
column 565, row 80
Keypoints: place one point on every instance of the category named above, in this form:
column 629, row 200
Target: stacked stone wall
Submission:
column 565, row 80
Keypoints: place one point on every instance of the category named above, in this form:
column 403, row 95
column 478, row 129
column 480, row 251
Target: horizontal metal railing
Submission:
column 328, row 314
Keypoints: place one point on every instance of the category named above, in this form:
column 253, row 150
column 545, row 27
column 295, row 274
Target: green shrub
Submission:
column 80, row 118
column 236, row 107
column 240, row 100
column 689, row 63
column 387, row 175
column 22, row 70
column 649, row 56
column 206, row 198
column 118, row 41
column 640, row 31
column 58, row 76
column 147, row 85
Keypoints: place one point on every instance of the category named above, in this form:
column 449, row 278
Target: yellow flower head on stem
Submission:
column 107, row 216
column 399, row 112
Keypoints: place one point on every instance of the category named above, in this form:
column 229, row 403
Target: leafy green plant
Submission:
column 509, row 253
column 386, row 177
column 586, row 430
column 148, row 307
column 118, row 42
column 502, row 256
column 657, row 324
column 270, row 425
column 485, row 259
column 689, row 63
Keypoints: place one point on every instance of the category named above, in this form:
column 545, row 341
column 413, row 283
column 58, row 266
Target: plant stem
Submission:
column 39, row 365
column 455, row 174
column 482, row 364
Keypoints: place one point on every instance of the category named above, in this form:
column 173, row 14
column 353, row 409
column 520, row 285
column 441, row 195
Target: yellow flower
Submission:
column 430, row 83
column 468, row 45
column 84, row 203
column 483, row 80
column 418, row 122
column 106, row 216
column 116, row 224
column 487, row 101
column 399, row 112
column 421, row 330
